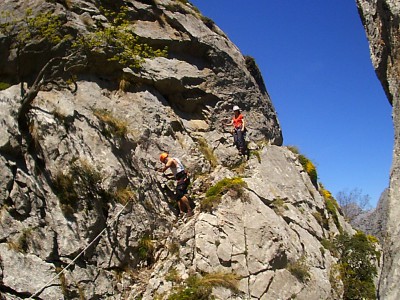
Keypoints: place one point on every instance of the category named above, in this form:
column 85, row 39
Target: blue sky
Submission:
column 314, row 58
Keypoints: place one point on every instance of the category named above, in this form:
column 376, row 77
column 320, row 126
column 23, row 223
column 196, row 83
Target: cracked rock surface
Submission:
column 80, row 187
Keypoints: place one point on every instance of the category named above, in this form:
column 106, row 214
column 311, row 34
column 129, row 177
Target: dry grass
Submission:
column 112, row 126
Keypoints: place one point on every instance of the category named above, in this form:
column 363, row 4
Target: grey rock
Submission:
column 61, row 183
column 248, row 238
column 380, row 20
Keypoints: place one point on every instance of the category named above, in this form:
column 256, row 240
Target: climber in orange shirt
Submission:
column 239, row 130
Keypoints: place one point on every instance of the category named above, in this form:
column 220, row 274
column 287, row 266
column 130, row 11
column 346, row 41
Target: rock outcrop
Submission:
column 381, row 19
column 374, row 221
column 84, row 212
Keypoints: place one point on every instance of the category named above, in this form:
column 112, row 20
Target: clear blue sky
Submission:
column 314, row 58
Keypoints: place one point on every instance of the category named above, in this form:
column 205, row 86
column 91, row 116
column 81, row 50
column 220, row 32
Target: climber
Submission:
column 182, row 182
column 238, row 131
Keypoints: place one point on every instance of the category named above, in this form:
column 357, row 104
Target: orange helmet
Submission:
column 163, row 156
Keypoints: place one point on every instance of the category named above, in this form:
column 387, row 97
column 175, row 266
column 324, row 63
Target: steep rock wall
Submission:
column 83, row 191
column 381, row 19
column 277, row 221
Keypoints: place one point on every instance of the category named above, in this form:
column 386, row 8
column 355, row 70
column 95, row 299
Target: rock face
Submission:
column 274, row 223
column 83, row 211
column 374, row 222
column 381, row 22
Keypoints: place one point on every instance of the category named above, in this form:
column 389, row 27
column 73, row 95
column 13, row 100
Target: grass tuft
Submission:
column 215, row 193
column 300, row 269
column 197, row 288
column 207, row 152
column 112, row 126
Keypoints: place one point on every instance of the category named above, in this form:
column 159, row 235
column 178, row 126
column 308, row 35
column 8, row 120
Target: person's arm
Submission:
column 243, row 125
column 227, row 123
column 167, row 165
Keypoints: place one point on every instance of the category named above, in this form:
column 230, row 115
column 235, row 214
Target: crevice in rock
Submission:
column 54, row 255
column 224, row 263
column 268, row 286
column 259, row 272
column 280, row 261
column 23, row 295
column 246, row 255
column 288, row 220
column 264, row 200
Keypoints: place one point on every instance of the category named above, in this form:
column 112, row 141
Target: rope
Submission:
column 73, row 261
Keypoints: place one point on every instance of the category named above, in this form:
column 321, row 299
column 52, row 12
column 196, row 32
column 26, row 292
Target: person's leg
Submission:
column 181, row 190
column 241, row 146
column 240, row 138
column 235, row 138
column 185, row 201
column 181, row 211
column 244, row 149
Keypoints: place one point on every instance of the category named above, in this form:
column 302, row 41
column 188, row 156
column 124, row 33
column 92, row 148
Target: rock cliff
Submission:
column 84, row 214
column 381, row 20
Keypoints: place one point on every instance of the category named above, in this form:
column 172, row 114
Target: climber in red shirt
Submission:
column 239, row 130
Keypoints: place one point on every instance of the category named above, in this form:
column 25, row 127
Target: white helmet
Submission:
column 236, row 108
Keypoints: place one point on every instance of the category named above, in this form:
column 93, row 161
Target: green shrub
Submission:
column 357, row 255
column 327, row 244
column 308, row 166
column 256, row 154
column 118, row 40
column 215, row 193
column 173, row 276
column 278, row 205
column 372, row 239
column 336, row 282
column 45, row 26
column 225, row 184
column 146, row 248
column 331, row 205
column 300, row 269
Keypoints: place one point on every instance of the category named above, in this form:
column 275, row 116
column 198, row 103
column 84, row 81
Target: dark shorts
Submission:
column 181, row 186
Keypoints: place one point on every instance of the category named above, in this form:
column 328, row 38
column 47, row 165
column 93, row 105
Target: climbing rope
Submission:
column 73, row 261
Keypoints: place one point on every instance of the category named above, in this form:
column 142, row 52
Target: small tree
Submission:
column 116, row 40
column 46, row 29
column 357, row 256
column 353, row 203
